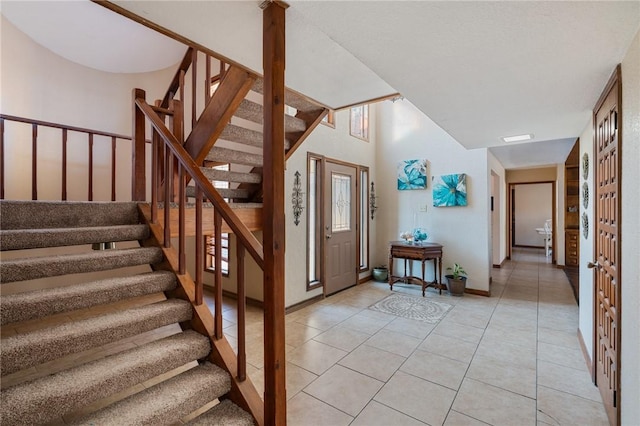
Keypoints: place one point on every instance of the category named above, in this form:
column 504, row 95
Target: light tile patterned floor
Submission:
column 511, row 359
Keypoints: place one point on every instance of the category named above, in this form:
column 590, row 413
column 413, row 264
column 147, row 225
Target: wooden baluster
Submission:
column 199, row 247
column 182, row 267
column 155, row 175
column 207, row 81
column 217, row 231
column 138, row 178
column 222, row 69
column 194, row 79
column 113, row 168
column 242, row 355
column 168, row 186
column 181, row 85
column 2, row 158
column 64, row 164
column 34, row 161
column 90, row 195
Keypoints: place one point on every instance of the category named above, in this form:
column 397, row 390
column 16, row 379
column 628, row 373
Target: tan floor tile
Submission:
column 344, row 389
column 469, row 316
column 500, row 350
column 373, row 362
column 417, row 398
column 569, row 380
column 458, row 419
column 297, row 334
column 316, row 357
column 517, row 379
column 413, row 328
column 396, row 343
column 435, row 368
column 556, row 407
column 304, row 409
column 569, row 357
column 449, row 347
column 558, row 338
column 376, row 414
column 342, row 338
column 458, row 331
column 528, row 339
column 319, row 320
column 365, row 324
column 493, row 405
column 297, row 379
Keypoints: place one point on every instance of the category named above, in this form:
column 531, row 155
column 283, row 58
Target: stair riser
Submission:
column 40, row 238
column 42, row 267
column 30, row 349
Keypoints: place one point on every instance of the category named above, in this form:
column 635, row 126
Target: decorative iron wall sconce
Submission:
column 297, row 199
column 372, row 201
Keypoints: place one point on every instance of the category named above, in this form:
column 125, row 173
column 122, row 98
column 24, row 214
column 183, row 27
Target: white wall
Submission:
column 332, row 143
column 499, row 216
column 587, row 248
column 533, row 205
column 406, row 133
column 38, row 84
column 630, row 275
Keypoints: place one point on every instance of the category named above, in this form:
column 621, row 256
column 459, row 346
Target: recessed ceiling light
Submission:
column 518, row 138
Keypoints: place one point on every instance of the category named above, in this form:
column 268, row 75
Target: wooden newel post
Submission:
column 138, row 177
column 275, row 398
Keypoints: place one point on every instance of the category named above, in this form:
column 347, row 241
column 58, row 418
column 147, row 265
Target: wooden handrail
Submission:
column 62, row 126
column 244, row 236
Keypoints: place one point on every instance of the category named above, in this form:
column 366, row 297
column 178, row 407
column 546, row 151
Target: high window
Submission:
column 359, row 122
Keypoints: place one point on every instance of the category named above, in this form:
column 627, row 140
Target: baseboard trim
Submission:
column 365, row 279
column 560, row 266
column 252, row 302
column 585, row 353
column 524, row 246
column 478, row 292
column 501, row 264
column 303, row 304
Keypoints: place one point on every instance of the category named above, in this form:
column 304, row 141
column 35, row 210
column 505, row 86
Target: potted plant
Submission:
column 457, row 280
column 380, row 273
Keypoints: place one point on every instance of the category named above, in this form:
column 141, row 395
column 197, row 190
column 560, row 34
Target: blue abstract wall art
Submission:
column 450, row 190
column 412, row 174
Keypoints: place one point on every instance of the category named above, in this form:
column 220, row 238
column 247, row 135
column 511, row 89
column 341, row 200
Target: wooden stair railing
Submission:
column 243, row 393
column 66, row 134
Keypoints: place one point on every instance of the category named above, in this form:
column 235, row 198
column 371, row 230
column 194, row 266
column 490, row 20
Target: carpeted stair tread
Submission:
column 36, row 347
column 242, row 135
column 41, row 303
column 241, row 193
column 225, row 413
column 63, row 214
column 229, row 176
column 253, row 111
column 44, row 399
column 49, row 266
column 291, row 98
column 167, row 402
column 20, row 239
column 226, row 155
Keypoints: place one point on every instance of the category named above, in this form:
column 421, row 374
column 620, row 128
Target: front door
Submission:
column 340, row 222
column 607, row 247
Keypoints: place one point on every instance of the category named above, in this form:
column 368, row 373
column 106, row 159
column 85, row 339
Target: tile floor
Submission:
column 511, row 359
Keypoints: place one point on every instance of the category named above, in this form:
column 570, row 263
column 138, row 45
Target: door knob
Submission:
column 328, row 236
column 594, row 264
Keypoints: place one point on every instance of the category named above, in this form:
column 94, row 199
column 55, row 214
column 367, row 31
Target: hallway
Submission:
column 511, row 359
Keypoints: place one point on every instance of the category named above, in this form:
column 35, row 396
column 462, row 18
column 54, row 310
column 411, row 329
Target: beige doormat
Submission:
column 416, row 308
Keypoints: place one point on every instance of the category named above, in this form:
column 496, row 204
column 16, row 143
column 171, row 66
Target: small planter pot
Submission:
column 380, row 274
column 456, row 286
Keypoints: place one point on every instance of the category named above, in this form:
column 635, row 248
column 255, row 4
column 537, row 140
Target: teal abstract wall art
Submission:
column 412, row 174
column 450, row 190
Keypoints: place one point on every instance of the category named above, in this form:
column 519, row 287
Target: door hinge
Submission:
column 615, row 399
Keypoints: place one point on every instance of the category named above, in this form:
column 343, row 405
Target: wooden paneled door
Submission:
column 340, row 226
column 607, row 235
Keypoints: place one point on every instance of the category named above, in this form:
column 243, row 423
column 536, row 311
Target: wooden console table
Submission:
column 421, row 252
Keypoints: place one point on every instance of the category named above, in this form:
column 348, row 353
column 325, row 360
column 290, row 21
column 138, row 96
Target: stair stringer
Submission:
column 243, row 393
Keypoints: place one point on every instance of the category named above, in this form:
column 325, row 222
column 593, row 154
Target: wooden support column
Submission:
column 138, row 179
column 273, row 54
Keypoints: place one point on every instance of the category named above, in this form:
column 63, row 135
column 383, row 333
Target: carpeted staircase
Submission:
column 119, row 351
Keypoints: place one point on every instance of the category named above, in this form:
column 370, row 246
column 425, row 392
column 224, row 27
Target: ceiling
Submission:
column 481, row 70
